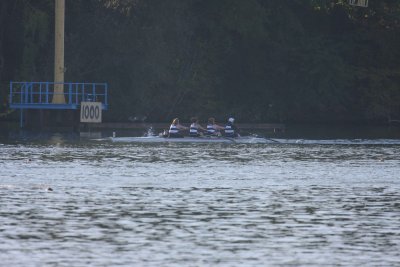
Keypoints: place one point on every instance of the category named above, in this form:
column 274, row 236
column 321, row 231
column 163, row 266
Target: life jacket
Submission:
column 210, row 129
column 193, row 131
column 173, row 130
column 229, row 130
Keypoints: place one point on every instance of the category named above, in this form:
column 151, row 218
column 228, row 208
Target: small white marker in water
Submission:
column 113, row 134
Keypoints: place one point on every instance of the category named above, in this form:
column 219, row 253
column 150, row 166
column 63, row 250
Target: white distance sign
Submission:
column 91, row 112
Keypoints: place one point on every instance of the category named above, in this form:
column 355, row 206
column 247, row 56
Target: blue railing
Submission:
column 39, row 95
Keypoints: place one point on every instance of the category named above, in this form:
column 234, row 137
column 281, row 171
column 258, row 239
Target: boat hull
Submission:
column 157, row 139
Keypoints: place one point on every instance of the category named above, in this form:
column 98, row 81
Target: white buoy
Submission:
column 113, row 134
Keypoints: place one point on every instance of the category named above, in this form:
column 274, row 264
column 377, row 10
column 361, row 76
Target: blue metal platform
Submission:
column 39, row 95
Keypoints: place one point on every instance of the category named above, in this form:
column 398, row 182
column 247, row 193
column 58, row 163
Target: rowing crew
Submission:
column 196, row 130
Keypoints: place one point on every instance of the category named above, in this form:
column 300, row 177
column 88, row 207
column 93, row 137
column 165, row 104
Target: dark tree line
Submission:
column 259, row 60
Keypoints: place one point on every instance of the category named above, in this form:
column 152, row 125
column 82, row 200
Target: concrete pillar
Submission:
column 58, row 97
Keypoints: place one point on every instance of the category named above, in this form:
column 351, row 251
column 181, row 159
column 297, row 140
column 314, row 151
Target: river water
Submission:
column 125, row 204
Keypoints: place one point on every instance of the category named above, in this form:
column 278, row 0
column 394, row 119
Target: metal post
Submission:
column 58, row 97
column 106, row 94
column 21, row 119
column 40, row 93
column 11, row 92
column 83, row 92
column 70, row 94
column 26, row 94
column 76, row 93
column 47, row 93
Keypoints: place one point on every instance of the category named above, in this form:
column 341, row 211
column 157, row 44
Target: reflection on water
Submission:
column 199, row 204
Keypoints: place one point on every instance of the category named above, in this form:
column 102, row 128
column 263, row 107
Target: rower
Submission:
column 213, row 128
column 195, row 128
column 175, row 129
column 230, row 129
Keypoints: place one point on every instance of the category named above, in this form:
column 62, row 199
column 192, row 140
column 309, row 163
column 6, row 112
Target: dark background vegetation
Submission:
column 259, row 60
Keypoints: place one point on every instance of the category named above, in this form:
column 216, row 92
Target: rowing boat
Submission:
column 251, row 140
column 203, row 139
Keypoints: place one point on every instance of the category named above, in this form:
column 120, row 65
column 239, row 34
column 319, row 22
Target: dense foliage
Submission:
column 260, row 60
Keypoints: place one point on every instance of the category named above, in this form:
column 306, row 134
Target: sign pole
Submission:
column 58, row 97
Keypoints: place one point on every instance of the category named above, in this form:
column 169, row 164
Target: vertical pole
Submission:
column 40, row 93
column 76, row 93
column 47, row 93
column 70, row 94
column 58, row 97
column 83, row 92
column 11, row 93
column 106, row 94
column 21, row 119
column 26, row 94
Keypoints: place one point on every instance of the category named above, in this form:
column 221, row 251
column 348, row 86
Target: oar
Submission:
column 223, row 137
column 229, row 138
column 260, row 136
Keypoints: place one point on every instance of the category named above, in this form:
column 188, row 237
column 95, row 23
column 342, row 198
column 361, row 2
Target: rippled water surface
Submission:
column 199, row 204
